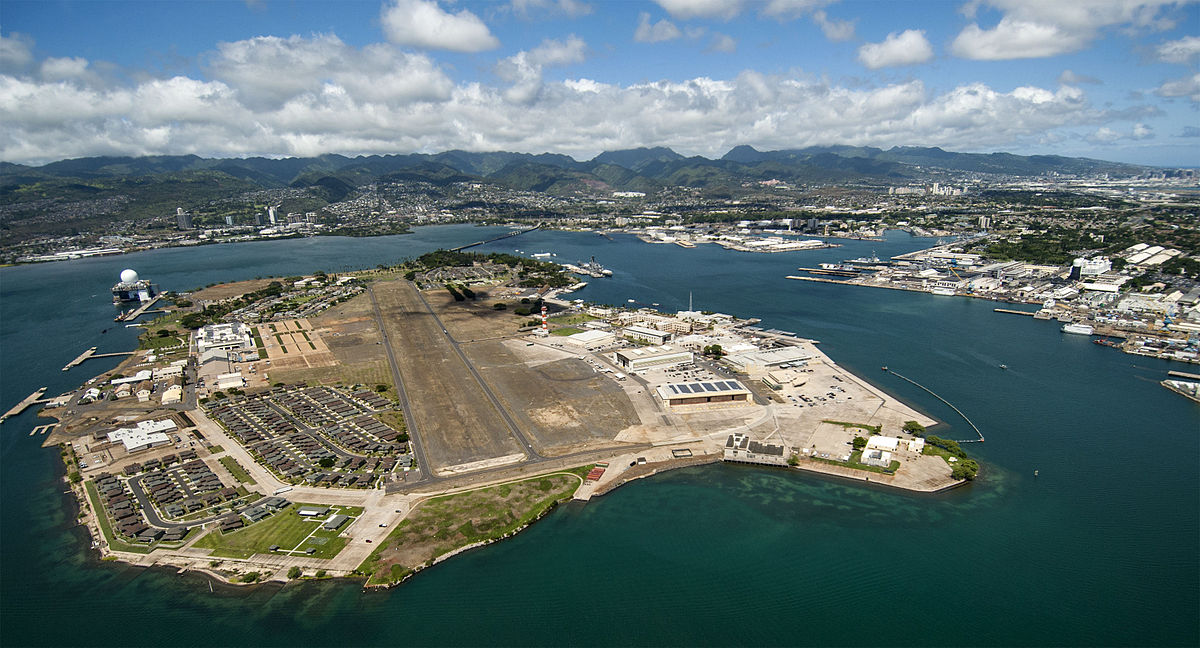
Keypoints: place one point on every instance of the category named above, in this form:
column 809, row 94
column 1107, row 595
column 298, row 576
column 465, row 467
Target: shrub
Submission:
column 294, row 572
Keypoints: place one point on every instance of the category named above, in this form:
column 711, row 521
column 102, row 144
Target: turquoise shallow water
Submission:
column 1101, row 549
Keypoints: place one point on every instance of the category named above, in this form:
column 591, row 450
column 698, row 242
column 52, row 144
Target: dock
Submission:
column 1183, row 374
column 137, row 312
column 79, row 360
column 91, row 353
column 1013, row 312
column 20, row 407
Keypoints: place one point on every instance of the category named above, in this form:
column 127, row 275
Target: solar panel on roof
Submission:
column 685, row 389
column 709, row 387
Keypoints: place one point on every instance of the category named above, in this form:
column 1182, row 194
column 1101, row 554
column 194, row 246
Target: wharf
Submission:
column 1013, row 312
column 91, row 353
column 137, row 312
column 20, row 407
column 79, row 360
column 1183, row 374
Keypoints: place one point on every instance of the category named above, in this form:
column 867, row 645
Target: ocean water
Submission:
column 1101, row 548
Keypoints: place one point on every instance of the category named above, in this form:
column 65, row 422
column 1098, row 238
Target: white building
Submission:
column 635, row 359
column 650, row 335
column 757, row 361
column 234, row 336
column 591, row 339
column 146, row 434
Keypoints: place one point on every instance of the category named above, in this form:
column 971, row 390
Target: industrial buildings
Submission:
column 233, row 336
column 759, row 361
column 146, row 434
column 722, row 392
column 653, row 336
column 646, row 357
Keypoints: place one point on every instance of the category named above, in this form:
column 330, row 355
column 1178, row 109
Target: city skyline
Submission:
column 1115, row 80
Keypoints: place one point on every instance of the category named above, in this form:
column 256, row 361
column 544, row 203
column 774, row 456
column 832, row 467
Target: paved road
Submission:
column 414, row 436
column 151, row 513
column 534, row 457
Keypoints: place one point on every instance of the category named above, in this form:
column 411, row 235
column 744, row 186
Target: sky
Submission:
column 1110, row 79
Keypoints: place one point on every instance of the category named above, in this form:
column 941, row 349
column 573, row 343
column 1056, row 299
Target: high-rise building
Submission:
column 183, row 220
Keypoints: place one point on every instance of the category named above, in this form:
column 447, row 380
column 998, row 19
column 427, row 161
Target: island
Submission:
column 370, row 425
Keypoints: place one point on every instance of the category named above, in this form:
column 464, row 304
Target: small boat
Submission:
column 884, row 367
column 1004, row 366
column 630, row 301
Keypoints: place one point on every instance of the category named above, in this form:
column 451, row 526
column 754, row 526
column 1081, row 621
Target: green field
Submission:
column 442, row 524
column 567, row 320
column 236, row 470
column 566, row 330
column 287, row 528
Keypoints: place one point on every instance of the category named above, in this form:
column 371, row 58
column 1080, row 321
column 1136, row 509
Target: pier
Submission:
column 964, row 416
column 20, row 407
column 493, row 240
column 1183, row 374
column 1013, row 312
column 137, row 312
column 91, row 353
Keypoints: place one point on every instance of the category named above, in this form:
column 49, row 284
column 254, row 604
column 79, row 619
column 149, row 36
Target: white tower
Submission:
column 545, row 324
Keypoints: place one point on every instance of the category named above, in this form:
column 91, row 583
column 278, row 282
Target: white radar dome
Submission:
column 128, row 275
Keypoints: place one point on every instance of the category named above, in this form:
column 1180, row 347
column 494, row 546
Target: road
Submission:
column 534, row 457
column 414, row 436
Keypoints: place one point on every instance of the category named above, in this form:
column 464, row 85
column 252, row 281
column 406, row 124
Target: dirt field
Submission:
column 563, row 404
column 225, row 291
column 293, row 344
column 350, row 337
column 456, row 421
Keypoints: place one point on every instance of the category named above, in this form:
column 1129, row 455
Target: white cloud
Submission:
column 524, row 69
column 377, row 99
column 570, row 8
column 424, row 24
column 1041, row 28
column 1070, row 77
column 835, row 30
column 899, row 48
column 688, row 9
column 1013, row 39
column 555, row 52
column 1106, row 135
column 647, row 32
column 1188, row 86
column 15, row 52
column 376, row 73
column 785, row 9
column 1184, row 50
column 57, row 69
column 722, row 43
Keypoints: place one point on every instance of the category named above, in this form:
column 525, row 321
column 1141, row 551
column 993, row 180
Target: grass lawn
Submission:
column 287, row 528
column 443, row 524
column 873, row 429
column 106, row 527
column 237, row 471
column 393, row 419
column 575, row 318
column 566, row 330
column 154, row 342
column 854, row 463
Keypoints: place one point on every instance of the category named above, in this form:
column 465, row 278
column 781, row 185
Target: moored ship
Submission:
column 1078, row 329
column 132, row 288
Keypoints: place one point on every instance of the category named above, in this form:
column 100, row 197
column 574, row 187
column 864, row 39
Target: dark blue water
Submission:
column 1101, row 549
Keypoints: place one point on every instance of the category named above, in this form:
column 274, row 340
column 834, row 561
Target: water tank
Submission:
column 128, row 275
